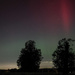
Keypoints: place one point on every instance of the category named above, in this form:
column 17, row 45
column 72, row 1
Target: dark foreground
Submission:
column 40, row 72
column 22, row 73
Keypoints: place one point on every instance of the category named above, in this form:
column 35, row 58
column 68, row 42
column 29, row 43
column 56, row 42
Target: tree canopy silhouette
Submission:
column 30, row 57
column 63, row 56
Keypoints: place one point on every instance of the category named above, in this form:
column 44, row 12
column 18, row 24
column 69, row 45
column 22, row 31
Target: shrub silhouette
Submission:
column 30, row 58
column 64, row 57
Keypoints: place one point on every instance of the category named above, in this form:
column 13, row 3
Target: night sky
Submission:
column 44, row 21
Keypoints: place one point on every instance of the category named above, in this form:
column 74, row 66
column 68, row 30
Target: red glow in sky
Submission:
column 65, row 9
column 52, row 14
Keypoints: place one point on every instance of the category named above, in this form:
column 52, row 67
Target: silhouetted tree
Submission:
column 30, row 57
column 64, row 57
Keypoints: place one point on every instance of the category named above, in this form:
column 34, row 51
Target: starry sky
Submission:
column 44, row 21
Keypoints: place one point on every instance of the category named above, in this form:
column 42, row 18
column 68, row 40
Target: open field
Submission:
column 28, row 74
column 22, row 73
column 40, row 72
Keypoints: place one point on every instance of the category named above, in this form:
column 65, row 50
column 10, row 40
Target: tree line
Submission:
column 63, row 57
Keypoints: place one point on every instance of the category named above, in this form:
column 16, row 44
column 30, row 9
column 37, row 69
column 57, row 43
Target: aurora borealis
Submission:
column 44, row 21
column 66, row 14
